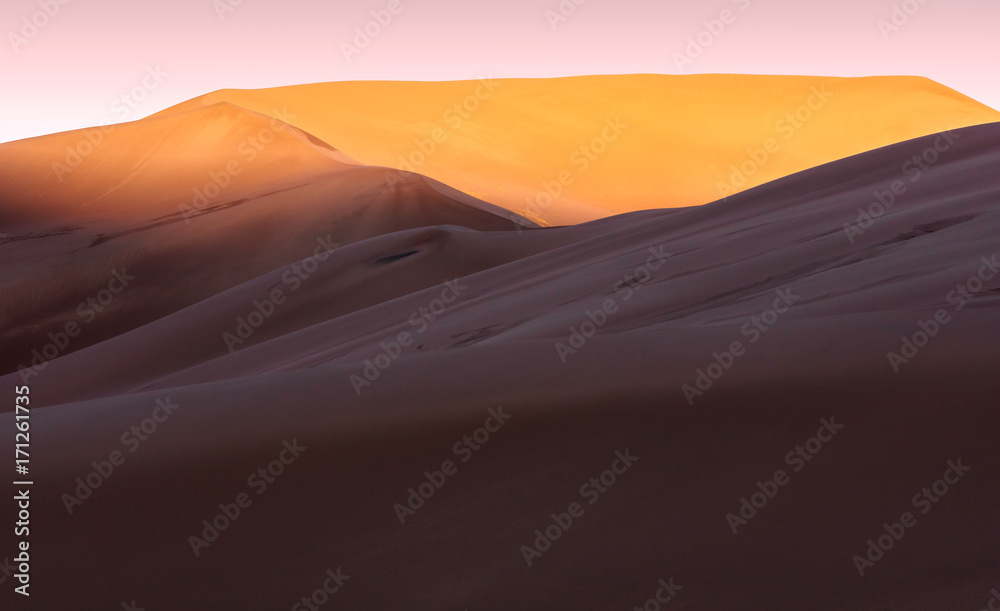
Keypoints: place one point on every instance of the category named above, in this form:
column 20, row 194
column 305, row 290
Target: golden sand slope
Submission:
column 684, row 140
column 158, row 164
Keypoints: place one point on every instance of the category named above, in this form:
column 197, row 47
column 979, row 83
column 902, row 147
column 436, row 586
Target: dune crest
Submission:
column 156, row 164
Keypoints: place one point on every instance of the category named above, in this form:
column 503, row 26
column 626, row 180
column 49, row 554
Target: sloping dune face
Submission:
column 152, row 216
column 712, row 346
column 200, row 158
column 576, row 149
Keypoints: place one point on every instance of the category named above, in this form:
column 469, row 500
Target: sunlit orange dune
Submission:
column 551, row 148
column 200, row 159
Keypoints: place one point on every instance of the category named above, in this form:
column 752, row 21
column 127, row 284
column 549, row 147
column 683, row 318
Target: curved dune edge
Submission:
column 158, row 166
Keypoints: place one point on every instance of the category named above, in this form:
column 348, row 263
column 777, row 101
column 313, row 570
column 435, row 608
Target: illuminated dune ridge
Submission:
column 157, row 164
column 576, row 149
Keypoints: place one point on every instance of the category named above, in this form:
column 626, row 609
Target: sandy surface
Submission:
column 489, row 310
column 563, row 151
column 235, row 195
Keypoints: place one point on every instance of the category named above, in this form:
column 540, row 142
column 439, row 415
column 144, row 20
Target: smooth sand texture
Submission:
column 611, row 144
column 189, row 205
column 519, row 293
column 154, row 165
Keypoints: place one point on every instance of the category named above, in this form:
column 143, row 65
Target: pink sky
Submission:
column 68, row 73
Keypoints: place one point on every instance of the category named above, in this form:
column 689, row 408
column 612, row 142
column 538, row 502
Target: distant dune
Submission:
column 610, row 144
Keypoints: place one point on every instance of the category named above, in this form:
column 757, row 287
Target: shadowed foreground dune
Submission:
column 567, row 150
column 681, row 358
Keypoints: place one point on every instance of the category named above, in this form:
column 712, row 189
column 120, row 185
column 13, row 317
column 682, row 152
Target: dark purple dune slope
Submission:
column 686, row 360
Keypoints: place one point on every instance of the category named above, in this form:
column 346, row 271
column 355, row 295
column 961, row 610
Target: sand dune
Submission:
column 604, row 145
column 816, row 296
column 201, row 158
column 181, row 208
